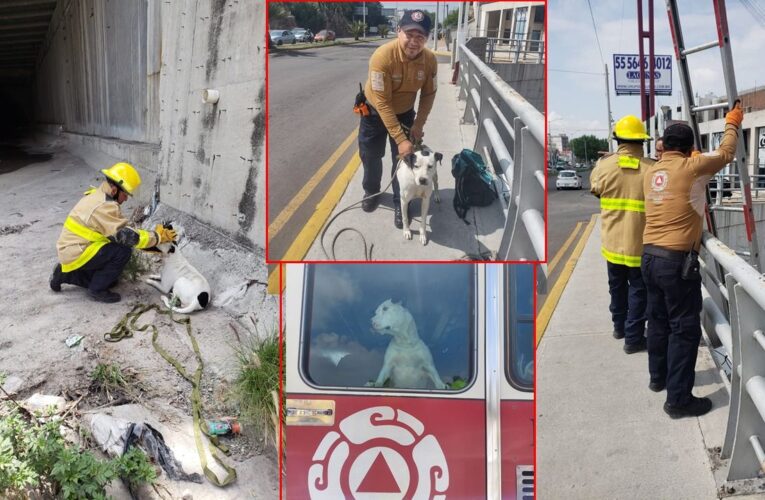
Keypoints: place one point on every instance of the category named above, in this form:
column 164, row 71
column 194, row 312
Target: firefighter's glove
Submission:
column 735, row 116
column 165, row 235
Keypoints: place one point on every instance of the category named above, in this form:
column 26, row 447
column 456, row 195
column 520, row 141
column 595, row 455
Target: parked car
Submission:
column 568, row 179
column 282, row 36
column 302, row 34
column 324, row 36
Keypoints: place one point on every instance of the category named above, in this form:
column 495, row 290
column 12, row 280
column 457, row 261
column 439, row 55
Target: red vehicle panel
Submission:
column 517, row 442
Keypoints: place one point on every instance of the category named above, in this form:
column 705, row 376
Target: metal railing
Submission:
column 515, row 50
column 510, row 138
column 734, row 320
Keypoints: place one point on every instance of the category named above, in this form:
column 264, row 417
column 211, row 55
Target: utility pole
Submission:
column 364, row 18
column 609, row 121
column 435, row 30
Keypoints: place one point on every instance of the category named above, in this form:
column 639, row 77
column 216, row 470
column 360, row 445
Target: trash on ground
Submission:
column 223, row 426
column 73, row 340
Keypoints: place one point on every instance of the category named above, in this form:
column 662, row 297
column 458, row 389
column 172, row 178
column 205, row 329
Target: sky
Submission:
column 577, row 101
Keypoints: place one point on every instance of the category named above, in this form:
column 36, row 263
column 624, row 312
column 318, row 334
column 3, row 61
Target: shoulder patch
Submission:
column 378, row 81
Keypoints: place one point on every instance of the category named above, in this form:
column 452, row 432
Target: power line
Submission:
column 755, row 11
column 597, row 39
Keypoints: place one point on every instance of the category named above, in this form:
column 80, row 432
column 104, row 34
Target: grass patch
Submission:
column 136, row 266
column 36, row 462
column 257, row 387
column 108, row 376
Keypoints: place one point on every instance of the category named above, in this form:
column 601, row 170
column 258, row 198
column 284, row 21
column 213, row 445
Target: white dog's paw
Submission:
column 407, row 234
column 423, row 236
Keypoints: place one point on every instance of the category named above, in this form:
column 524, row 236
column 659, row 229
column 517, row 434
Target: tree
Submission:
column 451, row 19
column 277, row 14
column 384, row 29
column 307, row 15
column 586, row 147
column 357, row 29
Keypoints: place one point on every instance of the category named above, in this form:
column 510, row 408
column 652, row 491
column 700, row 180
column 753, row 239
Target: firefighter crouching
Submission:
column 674, row 202
column 96, row 242
column 617, row 180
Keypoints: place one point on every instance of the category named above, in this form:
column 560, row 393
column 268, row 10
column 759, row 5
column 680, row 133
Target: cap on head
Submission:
column 630, row 128
column 124, row 176
column 678, row 135
column 415, row 20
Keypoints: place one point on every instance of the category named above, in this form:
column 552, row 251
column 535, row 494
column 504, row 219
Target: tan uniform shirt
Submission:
column 617, row 180
column 96, row 211
column 393, row 82
column 675, row 194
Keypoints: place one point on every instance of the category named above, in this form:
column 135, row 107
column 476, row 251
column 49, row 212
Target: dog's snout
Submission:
column 423, row 181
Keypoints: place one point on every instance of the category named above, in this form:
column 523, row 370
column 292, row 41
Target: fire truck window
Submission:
column 519, row 330
column 392, row 326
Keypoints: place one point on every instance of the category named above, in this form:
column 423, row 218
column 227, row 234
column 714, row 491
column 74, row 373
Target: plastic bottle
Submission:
column 223, row 426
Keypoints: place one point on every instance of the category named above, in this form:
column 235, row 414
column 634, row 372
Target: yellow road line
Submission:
column 543, row 318
column 311, row 230
column 563, row 249
column 307, row 189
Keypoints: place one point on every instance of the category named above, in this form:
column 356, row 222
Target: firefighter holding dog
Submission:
column 618, row 181
column 397, row 71
column 96, row 242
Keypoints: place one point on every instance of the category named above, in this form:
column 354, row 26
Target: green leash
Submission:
column 125, row 329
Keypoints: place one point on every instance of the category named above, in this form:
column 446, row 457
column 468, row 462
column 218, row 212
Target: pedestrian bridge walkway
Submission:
column 483, row 114
column 601, row 433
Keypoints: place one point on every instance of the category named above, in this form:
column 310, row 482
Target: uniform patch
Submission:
column 378, row 81
column 659, row 180
column 420, row 74
column 417, row 16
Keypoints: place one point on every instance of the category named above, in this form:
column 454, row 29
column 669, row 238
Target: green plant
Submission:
column 136, row 266
column 257, row 386
column 108, row 376
column 384, row 29
column 357, row 29
column 36, row 461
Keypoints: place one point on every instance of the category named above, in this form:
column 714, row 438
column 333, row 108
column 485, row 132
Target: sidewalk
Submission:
column 601, row 433
column 449, row 237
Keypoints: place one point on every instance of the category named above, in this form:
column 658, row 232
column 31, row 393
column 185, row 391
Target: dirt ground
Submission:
column 36, row 192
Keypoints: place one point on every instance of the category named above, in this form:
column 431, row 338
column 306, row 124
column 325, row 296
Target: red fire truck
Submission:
column 409, row 381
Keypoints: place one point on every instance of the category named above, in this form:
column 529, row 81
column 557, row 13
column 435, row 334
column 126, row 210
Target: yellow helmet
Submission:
column 630, row 128
column 123, row 175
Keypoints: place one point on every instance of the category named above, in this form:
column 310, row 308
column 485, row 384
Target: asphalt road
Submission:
column 564, row 210
column 311, row 95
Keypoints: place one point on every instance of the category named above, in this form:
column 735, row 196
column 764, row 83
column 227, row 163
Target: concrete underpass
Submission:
column 85, row 84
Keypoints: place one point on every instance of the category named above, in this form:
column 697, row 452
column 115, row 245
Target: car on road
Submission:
column 280, row 37
column 302, row 34
column 324, row 36
column 568, row 179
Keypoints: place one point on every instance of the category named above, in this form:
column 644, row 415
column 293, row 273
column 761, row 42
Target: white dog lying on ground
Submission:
column 408, row 362
column 418, row 178
column 181, row 281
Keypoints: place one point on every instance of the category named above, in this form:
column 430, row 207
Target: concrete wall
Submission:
column 212, row 162
column 125, row 78
column 92, row 72
column 527, row 79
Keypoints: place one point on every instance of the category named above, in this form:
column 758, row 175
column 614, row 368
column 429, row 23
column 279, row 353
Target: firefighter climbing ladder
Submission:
column 681, row 53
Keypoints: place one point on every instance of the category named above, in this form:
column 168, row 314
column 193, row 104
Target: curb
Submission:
column 322, row 45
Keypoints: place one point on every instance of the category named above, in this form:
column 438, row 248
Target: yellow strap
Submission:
column 629, row 161
column 622, row 204
column 84, row 257
column 144, row 237
column 617, row 258
column 82, row 231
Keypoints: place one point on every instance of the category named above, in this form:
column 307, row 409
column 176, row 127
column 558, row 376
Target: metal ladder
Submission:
column 681, row 53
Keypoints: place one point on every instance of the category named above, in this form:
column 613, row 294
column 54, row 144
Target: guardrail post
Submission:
column 735, row 378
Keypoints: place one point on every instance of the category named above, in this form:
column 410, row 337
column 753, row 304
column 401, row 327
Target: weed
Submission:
column 257, row 386
column 35, row 461
column 136, row 266
column 108, row 376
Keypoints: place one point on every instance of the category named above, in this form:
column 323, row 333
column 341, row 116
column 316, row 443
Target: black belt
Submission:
column 664, row 253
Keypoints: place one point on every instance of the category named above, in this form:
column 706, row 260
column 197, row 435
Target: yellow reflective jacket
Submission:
column 617, row 180
column 88, row 227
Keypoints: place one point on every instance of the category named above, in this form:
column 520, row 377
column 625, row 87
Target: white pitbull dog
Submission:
column 418, row 178
column 408, row 362
column 181, row 281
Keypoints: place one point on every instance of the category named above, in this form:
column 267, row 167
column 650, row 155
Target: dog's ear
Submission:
column 172, row 248
column 439, row 157
column 411, row 160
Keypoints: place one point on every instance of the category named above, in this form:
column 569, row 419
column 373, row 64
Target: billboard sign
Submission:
column 627, row 74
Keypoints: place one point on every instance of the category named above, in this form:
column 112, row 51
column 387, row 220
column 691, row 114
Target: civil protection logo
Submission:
column 417, row 16
column 659, row 180
column 379, row 453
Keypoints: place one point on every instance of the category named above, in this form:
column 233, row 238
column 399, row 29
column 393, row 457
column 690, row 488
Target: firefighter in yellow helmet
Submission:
column 96, row 242
column 617, row 180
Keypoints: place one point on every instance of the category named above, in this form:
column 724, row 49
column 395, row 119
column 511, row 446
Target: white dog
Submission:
column 181, row 281
column 418, row 178
column 408, row 362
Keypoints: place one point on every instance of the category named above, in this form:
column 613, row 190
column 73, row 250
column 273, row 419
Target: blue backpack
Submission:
column 474, row 185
